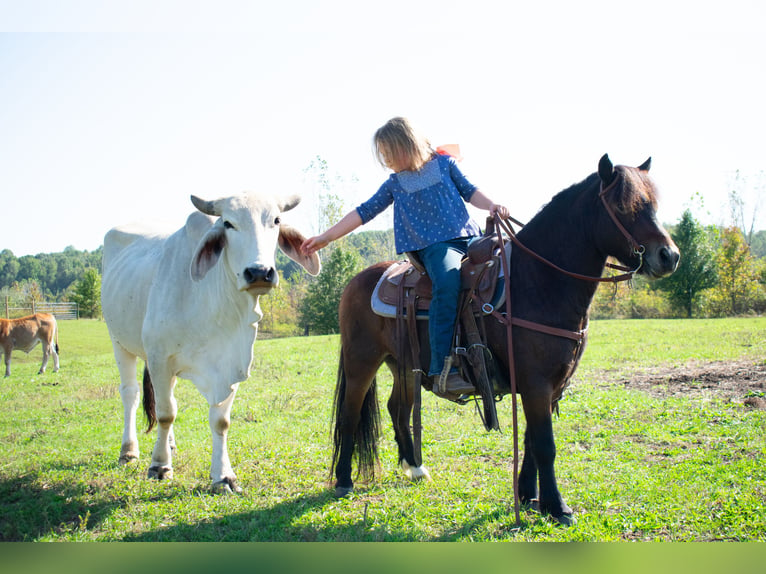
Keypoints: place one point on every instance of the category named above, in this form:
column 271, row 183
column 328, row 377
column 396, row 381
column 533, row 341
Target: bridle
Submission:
column 628, row 273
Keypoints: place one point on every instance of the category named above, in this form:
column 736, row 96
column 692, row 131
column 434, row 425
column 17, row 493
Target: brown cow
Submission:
column 25, row 333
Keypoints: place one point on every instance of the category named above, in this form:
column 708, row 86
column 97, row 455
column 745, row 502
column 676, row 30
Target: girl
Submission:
column 430, row 218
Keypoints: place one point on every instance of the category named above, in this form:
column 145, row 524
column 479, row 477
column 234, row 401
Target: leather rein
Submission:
column 510, row 321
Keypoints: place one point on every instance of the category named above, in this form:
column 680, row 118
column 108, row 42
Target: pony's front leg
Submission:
column 528, row 475
column 166, row 409
column 400, row 408
column 540, row 442
column 224, row 479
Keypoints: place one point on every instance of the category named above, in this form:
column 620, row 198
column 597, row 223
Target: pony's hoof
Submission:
column 564, row 520
column 416, row 472
column 160, row 472
column 226, row 486
column 343, row 491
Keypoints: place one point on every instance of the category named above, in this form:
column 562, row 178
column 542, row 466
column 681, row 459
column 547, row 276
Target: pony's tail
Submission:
column 151, row 416
column 367, row 432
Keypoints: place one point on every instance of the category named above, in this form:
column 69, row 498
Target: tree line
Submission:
column 720, row 274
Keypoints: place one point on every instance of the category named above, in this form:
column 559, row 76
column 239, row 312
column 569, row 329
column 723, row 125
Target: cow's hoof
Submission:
column 226, row 486
column 127, row 458
column 160, row 472
column 343, row 491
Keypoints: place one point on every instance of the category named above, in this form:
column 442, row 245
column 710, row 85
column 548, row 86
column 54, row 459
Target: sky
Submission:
column 113, row 112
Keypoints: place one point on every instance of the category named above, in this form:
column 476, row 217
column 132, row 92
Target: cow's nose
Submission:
column 260, row 274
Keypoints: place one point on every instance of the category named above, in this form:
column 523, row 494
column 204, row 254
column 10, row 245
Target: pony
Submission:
column 611, row 213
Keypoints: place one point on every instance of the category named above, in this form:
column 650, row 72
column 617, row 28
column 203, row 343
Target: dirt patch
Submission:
column 742, row 381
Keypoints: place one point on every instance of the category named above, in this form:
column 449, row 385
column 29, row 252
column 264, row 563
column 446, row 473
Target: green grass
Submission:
column 632, row 466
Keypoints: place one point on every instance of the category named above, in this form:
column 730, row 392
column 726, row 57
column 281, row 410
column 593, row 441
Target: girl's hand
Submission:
column 313, row 244
column 501, row 210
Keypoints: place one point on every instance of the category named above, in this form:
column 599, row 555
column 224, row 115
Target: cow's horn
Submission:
column 208, row 207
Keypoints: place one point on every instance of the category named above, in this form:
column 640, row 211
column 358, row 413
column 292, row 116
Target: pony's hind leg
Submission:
column 357, row 421
column 400, row 408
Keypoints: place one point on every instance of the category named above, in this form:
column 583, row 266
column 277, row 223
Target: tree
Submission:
column 745, row 202
column 739, row 289
column 696, row 270
column 9, row 268
column 87, row 293
column 319, row 309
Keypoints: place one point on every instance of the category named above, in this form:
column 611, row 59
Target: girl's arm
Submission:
column 350, row 221
column 478, row 199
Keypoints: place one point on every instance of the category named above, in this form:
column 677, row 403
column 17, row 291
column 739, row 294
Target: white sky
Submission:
column 114, row 111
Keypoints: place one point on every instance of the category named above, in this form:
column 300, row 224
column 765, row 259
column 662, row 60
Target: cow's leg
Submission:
column 7, row 354
column 537, row 410
column 166, row 409
column 130, row 393
column 221, row 472
column 46, row 353
column 54, row 353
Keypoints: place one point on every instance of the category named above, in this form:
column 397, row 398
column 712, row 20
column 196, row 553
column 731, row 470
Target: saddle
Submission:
column 481, row 273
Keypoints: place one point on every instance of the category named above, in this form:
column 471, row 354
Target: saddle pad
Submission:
column 384, row 296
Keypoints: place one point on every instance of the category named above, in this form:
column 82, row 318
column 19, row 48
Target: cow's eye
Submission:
column 228, row 225
column 277, row 221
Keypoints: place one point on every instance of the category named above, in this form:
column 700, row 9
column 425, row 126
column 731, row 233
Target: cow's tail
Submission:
column 365, row 436
column 151, row 416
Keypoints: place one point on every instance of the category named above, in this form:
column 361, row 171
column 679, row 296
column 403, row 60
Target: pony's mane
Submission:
column 633, row 191
column 561, row 203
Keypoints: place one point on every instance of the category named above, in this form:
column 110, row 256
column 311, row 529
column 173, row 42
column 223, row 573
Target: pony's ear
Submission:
column 208, row 252
column 605, row 170
column 290, row 240
column 646, row 165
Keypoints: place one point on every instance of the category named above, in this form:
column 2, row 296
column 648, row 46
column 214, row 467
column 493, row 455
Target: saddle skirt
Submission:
column 410, row 280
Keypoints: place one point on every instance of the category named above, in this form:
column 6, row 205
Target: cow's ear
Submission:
column 208, row 252
column 290, row 240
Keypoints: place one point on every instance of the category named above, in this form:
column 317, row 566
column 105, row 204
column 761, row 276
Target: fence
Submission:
column 59, row 310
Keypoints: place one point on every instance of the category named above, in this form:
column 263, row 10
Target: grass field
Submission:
column 633, row 465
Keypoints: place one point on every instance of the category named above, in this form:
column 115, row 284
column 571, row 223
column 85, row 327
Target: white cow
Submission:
column 187, row 304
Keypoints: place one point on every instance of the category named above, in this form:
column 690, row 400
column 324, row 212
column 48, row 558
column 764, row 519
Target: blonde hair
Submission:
column 402, row 142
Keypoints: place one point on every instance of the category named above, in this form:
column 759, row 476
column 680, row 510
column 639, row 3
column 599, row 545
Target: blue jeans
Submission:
column 442, row 263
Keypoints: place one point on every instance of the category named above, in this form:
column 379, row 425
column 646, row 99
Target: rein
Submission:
column 628, row 274
column 509, row 320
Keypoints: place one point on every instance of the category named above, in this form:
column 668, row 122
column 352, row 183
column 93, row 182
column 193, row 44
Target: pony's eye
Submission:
column 277, row 221
column 227, row 225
